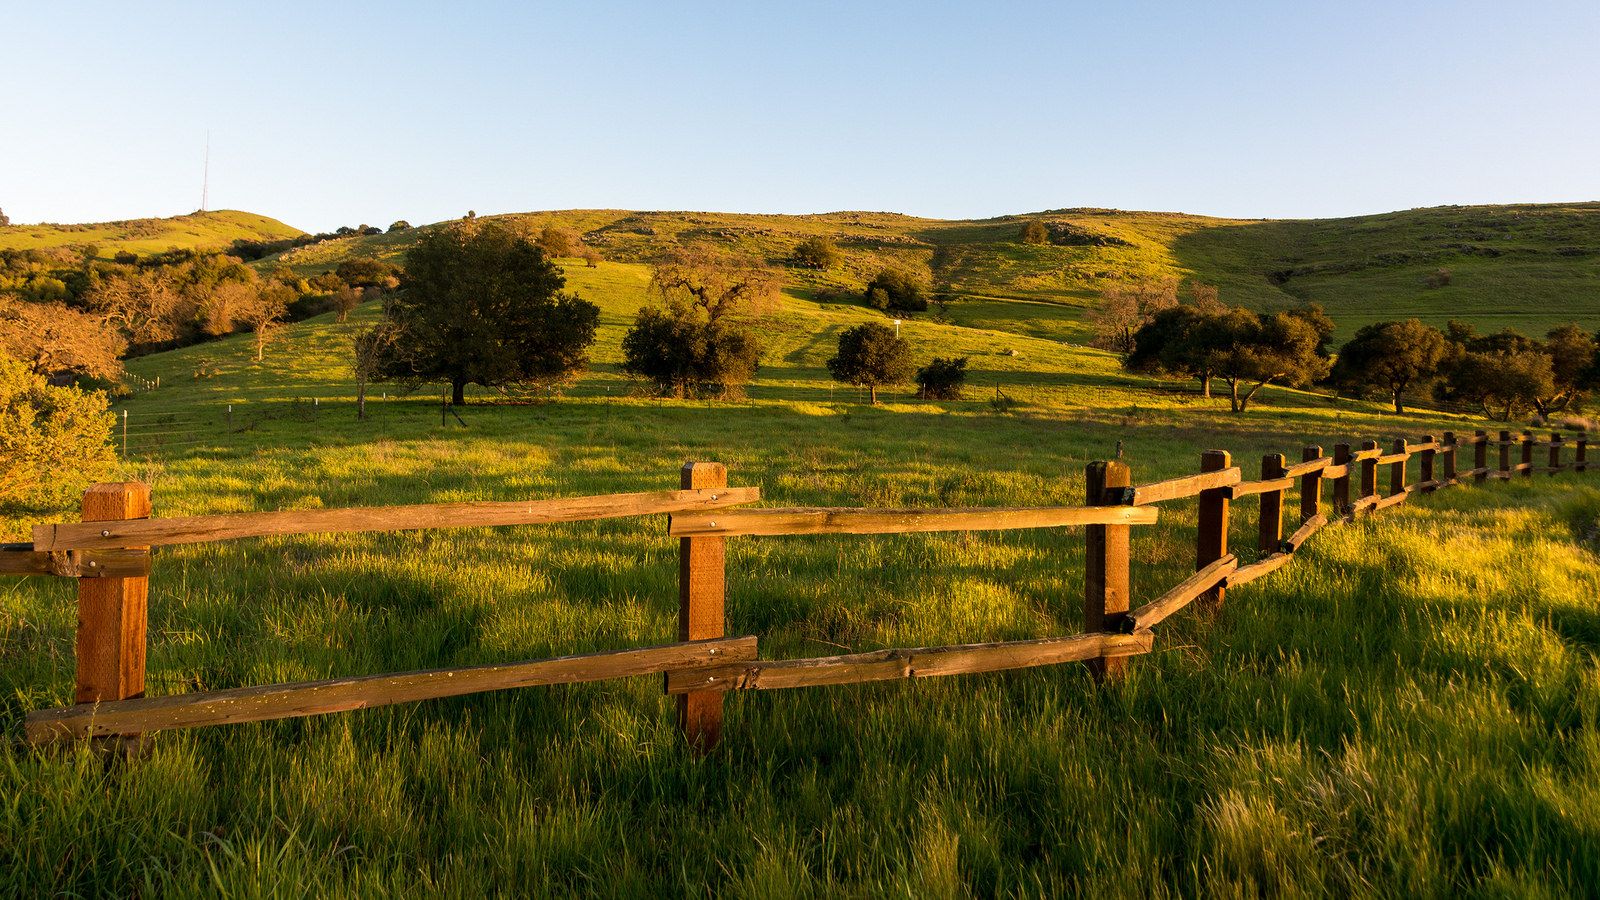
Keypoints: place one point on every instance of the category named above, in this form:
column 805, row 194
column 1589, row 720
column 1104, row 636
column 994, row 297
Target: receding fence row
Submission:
column 109, row 552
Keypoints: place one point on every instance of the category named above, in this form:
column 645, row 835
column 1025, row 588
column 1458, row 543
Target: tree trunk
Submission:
column 1399, row 407
column 1251, row 395
column 261, row 342
column 1205, row 385
column 361, row 399
column 1233, row 396
column 873, row 389
column 458, row 393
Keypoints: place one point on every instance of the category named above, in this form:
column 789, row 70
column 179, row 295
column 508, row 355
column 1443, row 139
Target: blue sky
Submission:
column 331, row 113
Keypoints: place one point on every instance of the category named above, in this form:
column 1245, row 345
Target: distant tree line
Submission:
column 69, row 314
column 1505, row 374
column 252, row 249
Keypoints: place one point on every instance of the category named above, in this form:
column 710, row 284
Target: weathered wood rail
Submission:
column 109, row 552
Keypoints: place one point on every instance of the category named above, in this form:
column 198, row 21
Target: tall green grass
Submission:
column 1408, row 709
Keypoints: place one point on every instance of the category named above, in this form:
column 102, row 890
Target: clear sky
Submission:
column 331, row 113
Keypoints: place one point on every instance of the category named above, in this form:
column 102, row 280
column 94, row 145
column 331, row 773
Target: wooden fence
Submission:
column 109, row 552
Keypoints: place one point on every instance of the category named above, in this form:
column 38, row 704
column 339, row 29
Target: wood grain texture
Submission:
column 1306, row 530
column 1247, row 574
column 22, row 559
column 1211, row 537
column 201, row 529
column 848, row 520
column 1107, row 588
column 1367, row 465
column 112, row 612
column 1397, row 471
column 312, row 698
column 702, row 614
column 1269, row 530
column 1185, row 592
column 1312, row 461
column 916, row 662
column 1311, row 482
column 1264, row 486
column 1186, row 486
column 1391, row 500
column 1340, row 473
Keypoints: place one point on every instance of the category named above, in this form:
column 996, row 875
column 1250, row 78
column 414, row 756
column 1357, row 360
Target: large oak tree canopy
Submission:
column 481, row 304
column 1393, row 356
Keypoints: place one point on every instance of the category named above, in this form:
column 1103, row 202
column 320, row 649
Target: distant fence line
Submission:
column 109, row 552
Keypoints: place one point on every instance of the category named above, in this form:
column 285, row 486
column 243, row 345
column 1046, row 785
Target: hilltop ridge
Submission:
column 211, row 230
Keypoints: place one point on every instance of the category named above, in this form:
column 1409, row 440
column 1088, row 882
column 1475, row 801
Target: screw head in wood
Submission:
column 106, row 533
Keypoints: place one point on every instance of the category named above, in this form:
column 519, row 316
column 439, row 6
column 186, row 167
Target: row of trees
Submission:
column 1245, row 350
column 481, row 302
column 1504, row 374
column 69, row 314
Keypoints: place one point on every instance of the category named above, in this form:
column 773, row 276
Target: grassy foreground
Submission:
column 1409, row 709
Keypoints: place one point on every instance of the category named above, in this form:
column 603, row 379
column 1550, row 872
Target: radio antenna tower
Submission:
column 205, row 177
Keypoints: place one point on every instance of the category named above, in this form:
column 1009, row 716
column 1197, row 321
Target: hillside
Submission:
column 1270, row 748
column 1527, row 266
column 212, row 230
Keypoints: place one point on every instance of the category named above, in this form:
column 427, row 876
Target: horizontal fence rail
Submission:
column 832, row 520
column 110, row 555
column 204, row 529
column 311, row 698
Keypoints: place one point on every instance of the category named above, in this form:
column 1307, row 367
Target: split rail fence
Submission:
column 109, row 552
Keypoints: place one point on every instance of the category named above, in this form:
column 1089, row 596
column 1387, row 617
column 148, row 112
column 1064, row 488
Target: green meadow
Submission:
column 197, row 231
column 1409, row 709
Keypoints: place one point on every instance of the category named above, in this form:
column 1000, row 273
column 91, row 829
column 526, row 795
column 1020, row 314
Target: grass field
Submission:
column 1410, row 709
column 213, row 230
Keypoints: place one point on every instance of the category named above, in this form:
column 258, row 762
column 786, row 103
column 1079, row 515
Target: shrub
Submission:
column 125, row 257
column 54, row 441
column 683, row 354
column 399, row 225
column 818, row 252
column 559, row 242
column 1438, row 278
column 942, row 379
column 364, row 271
column 1035, row 232
column 896, row 290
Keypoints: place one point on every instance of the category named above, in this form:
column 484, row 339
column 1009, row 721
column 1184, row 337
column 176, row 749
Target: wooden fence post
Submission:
column 1106, row 589
column 1310, row 486
column 1505, row 453
column 1527, row 454
column 1425, row 466
column 1270, row 534
column 1555, row 453
column 702, row 591
column 1369, row 472
column 1450, row 458
column 1212, row 543
column 1397, row 470
column 112, row 612
column 1480, row 456
column 1341, row 484
column 1580, row 452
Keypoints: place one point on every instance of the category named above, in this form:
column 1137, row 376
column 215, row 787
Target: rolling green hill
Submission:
column 212, row 230
column 1526, row 266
